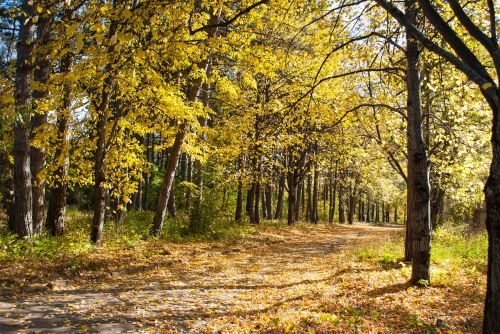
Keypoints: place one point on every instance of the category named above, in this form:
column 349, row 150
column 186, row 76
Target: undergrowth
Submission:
column 127, row 235
column 134, row 230
column 456, row 250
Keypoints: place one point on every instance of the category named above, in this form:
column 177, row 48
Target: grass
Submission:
column 456, row 251
column 134, row 230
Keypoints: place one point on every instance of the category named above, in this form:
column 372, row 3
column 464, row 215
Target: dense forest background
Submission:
column 160, row 118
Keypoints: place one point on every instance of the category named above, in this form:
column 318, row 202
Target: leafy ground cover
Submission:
column 267, row 279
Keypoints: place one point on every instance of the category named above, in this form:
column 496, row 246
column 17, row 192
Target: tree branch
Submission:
column 474, row 30
column 228, row 22
column 479, row 77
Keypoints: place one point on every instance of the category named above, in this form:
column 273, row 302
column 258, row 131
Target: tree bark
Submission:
column 352, row 209
column 187, row 198
column 168, row 178
column 257, row 203
column 299, row 200
column 309, row 212
column 437, row 202
column 269, row 201
column 333, row 193
column 362, row 213
column 263, row 201
column 184, row 170
column 147, row 175
column 251, row 203
column 6, row 187
column 341, row 205
column 99, row 196
column 38, row 121
column 23, row 195
column 171, row 207
column 281, row 190
column 419, row 222
column 138, row 195
column 292, row 199
column 491, row 322
column 195, row 218
column 195, row 212
column 315, row 195
column 58, row 193
column 239, row 202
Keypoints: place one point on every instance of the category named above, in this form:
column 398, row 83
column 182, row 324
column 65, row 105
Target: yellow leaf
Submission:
column 127, row 13
column 487, row 86
column 113, row 39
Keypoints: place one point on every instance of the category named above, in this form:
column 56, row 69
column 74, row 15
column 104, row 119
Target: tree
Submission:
column 23, row 195
column 472, row 62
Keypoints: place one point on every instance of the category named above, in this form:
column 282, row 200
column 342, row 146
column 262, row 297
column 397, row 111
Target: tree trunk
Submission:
column 418, row 168
column 99, row 196
column 172, row 210
column 341, row 205
column 58, row 193
column 309, row 212
column 299, row 200
column 195, row 218
column 279, row 204
column 6, row 187
column 187, row 198
column 491, row 323
column 437, row 202
column 352, row 209
column 195, row 214
column 239, row 202
column 292, row 193
column 184, row 171
column 257, row 203
column 263, row 201
column 269, row 201
column 333, row 193
column 360, row 209
column 315, row 195
column 326, row 189
column 193, row 95
column 251, row 203
column 138, row 195
column 147, row 176
column 38, row 120
column 23, row 195
column 168, row 179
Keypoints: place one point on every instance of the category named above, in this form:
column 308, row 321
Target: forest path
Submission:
column 193, row 287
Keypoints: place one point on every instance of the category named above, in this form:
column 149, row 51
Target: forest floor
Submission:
column 305, row 279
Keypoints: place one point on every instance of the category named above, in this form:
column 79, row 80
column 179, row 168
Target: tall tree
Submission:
column 467, row 60
column 23, row 195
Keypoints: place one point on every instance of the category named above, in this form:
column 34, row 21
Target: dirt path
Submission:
column 197, row 287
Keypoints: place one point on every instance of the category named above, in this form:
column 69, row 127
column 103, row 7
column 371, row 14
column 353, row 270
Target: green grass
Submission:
column 135, row 229
column 455, row 250
column 460, row 246
column 388, row 254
